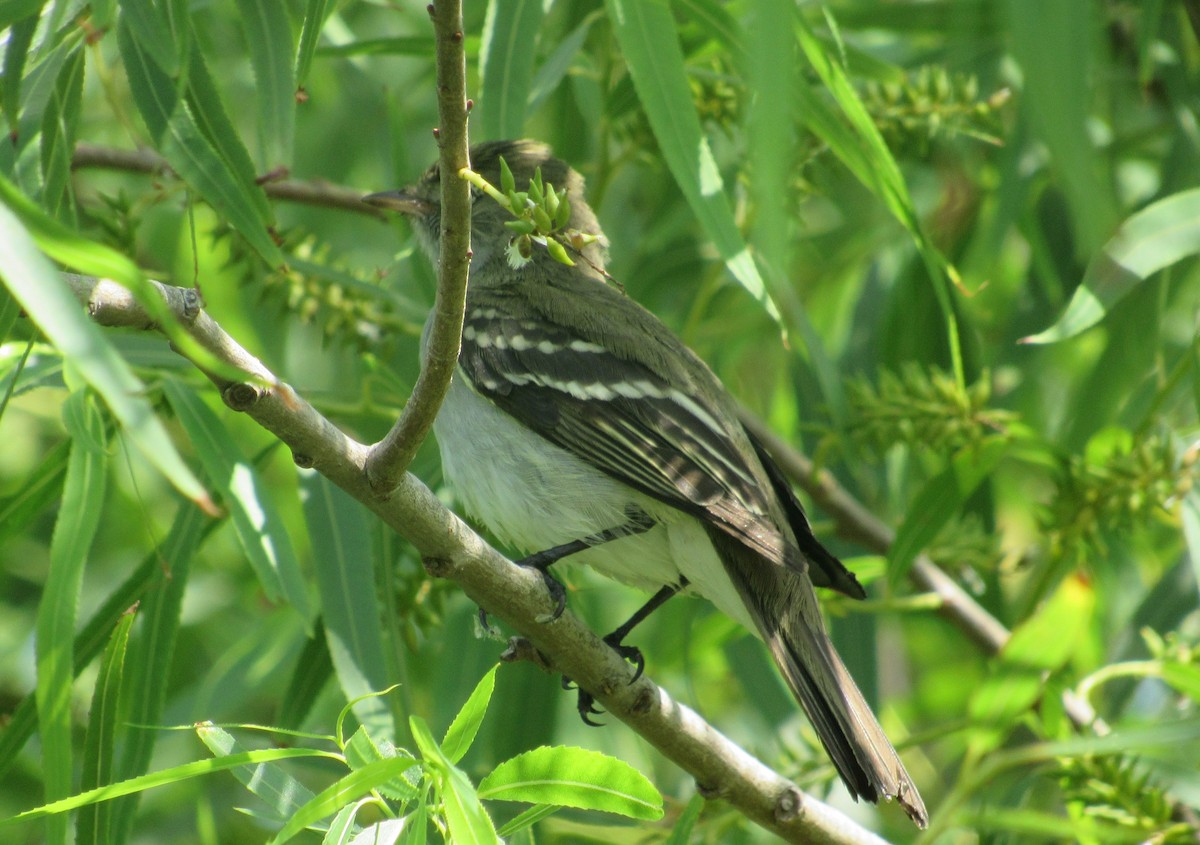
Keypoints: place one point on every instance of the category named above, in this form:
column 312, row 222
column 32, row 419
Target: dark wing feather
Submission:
column 621, row 418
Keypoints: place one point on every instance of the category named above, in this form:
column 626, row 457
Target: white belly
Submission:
column 537, row 499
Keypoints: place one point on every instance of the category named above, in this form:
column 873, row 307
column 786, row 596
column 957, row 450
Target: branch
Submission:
column 390, row 457
column 312, row 192
column 511, row 593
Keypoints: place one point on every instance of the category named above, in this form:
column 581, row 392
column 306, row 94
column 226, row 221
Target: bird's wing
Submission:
column 622, row 418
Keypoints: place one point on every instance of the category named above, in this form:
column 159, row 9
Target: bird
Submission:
column 578, row 423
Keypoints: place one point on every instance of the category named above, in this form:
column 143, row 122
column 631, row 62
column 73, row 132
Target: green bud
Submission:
column 562, row 214
column 521, row 227
column 542, row 219
column 558, row 253
column 507, row 184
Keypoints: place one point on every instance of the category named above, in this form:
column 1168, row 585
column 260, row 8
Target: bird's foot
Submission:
column 586, row 703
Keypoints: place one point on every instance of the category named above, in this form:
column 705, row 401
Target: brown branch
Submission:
column 311, row 192
column 390, row 457
column 511, row 593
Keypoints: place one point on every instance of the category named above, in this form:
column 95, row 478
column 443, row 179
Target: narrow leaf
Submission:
column 341, row 548
column 255, row 518
column 649, row 42
column 315, row 12
column 189, row 153
column 342, row 792
column 20, row 36
column 506, row 65
column 95, row 823
column 150, row 661
column 146, row 21
column 48, row 302
column 164, row 777
column 465, row 726
column 940, row 499
column 269, row 36
column 1151, row 240
column 58, row 134
column 78, row 518
column 283, row 794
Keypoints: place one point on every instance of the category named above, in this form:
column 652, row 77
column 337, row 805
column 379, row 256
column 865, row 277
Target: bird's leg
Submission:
column 639, row 523
column 615, row 640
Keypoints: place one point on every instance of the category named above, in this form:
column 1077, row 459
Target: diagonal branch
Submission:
column 514, row 594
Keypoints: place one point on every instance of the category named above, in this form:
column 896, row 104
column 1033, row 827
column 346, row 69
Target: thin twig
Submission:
column 390, row 457
column 510, row 592
column 307, row 192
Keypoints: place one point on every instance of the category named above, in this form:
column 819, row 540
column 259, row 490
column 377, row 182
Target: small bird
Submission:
column 578, row 423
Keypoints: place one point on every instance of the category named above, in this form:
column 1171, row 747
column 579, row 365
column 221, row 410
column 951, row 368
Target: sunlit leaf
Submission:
column 1155, row 238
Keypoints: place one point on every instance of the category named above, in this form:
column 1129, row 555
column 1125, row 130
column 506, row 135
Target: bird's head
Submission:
column 421, row 202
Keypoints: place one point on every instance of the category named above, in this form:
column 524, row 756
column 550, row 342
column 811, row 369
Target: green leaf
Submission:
column 58, row 134
column 465, row 726
column 361, row 750
column 315, row 12
column 78, row 519
column 649, row 42
column 339, row 533
column 283, row 794
column 151, row 654
column 574, row 777
column 13, row 11
column 1184, row 677
column 864, row 151
column 21, row 722
column 50, row 304
column 94, row 823
column 257, row 521
column 189, row 153
column 1041, row 644
column 528, row 819
column 40, row 488
column 1155, row 238
column 681, row 833
column 940, row 499
column 469, row 824
column 555, row 68
column 164, row 777
column 312, row 670
column 341, row 829
column 212, row 119
column 16, row 51
column 1055, row 51
column 149, row 24
column 506, row 65
column 269, row 36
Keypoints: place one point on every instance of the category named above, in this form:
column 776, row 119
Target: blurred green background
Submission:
column 854, row 212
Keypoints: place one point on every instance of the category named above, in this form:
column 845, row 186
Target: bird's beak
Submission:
column 401, row 201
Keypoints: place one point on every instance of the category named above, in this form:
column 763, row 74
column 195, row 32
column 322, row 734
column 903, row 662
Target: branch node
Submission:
column 789, row 805
column 438, row 567
column 241, row 396
column 520, row 649
column 644, row 701
column 193, row 302
column 708, row 792
column 303, row 461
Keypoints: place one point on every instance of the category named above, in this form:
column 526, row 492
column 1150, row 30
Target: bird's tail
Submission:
column 784, row 606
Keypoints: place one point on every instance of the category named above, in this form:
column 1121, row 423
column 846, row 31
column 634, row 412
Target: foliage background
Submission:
column 1055, row 481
